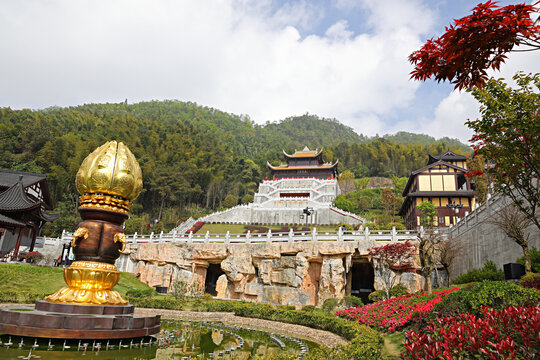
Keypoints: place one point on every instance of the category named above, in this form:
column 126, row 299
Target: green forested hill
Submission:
column 405, row 138
column 192, row 156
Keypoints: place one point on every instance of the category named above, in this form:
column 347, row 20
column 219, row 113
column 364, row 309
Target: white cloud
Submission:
column 238, row 56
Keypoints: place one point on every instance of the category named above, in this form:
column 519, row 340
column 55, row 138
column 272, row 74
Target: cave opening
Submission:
column 362, row 280
column 213, row 272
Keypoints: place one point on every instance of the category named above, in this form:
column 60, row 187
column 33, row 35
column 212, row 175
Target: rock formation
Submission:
column 289, row 273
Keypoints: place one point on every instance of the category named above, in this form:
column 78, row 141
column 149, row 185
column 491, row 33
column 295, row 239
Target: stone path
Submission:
column 321, row 337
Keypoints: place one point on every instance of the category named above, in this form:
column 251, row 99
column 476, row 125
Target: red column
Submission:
column 34, row 236
column 17, row 244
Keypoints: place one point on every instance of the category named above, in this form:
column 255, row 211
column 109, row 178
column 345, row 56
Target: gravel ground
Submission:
column 321, row 337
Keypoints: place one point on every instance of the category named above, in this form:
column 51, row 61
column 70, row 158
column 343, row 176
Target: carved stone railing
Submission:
column 269, row 237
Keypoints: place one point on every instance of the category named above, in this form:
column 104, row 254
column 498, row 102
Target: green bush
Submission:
column 494, row 294
column 161, row 302
column 138, row 293
column 309, row 308
column 530, row 280
column 370, row 225
column 398, row 226
column 351, row 301
column 377, row 295
column 207, row 297
column 347, row 227
column 398, row 290
column 535, row 260
column 488, row 272
column 330, row 305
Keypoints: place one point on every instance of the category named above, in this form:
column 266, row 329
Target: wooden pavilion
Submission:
column 24, row 197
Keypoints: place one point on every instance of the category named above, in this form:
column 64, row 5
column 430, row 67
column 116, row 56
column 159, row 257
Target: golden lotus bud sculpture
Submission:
column 108, row 180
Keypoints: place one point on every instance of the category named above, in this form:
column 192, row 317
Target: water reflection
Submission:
column 177, row 340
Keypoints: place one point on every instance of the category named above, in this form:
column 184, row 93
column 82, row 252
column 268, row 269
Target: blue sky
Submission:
column 343, row 59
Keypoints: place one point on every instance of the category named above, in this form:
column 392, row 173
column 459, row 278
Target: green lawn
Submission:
column 241, row 228
column 29, row 279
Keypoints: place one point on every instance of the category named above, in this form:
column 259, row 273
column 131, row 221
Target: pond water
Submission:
column 177, row 340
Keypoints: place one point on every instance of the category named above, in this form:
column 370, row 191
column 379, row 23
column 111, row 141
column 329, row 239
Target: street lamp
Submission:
column 307, row 211
column 455, row 207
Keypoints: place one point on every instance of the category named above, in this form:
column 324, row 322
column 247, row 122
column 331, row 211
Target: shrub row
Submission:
column 159, row 302
column 365, row 342
column 138, row 293
column 493, row 294
column 530, row 280
column 511, row 333
column 395, row 313
column 488, row 272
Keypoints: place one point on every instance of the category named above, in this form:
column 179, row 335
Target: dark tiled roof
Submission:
column 9, row 177
column 10, row 222
column 447, row 156
column 305, row 153
column 45, row 216
column 15, row 199
column 428, row 166
column 302, row 167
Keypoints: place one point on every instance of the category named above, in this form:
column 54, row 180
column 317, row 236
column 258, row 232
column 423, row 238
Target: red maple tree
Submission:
column 394, row 256
column 475, row 43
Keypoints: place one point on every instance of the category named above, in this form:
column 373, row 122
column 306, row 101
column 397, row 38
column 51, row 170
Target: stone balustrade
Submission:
column 269, row 237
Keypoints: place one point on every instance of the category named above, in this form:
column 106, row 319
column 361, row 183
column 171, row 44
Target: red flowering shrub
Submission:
column 33, row 256
column 394, row 314
column 531, row 281
column 511, row 333
column 196, row 227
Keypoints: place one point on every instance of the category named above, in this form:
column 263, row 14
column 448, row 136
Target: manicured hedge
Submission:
column 488, row 272
column 511, row 333
column 365, row 342
column 492, row 294
column 158, row 302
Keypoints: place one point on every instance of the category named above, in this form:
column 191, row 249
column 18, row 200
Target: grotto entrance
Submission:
column 212, row 274
column 361, row 280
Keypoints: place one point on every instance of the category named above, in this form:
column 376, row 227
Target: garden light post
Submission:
column 307, row 211
column 455, row 209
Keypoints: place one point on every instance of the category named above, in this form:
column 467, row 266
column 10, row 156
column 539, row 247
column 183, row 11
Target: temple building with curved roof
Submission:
column 24, row 199
column 303, row 184
column 304, row 164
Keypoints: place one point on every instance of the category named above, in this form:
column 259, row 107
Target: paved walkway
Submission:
column 321, row 337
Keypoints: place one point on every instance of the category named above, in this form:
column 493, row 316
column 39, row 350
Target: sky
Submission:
column 342, row 59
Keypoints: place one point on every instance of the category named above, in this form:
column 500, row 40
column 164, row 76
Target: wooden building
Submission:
column 24, row 197
column 304, row 164
column 442, row 182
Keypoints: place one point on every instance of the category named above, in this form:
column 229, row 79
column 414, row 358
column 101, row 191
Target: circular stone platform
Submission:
column 67, row 321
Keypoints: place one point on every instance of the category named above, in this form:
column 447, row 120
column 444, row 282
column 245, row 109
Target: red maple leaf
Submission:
column 475, row 43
